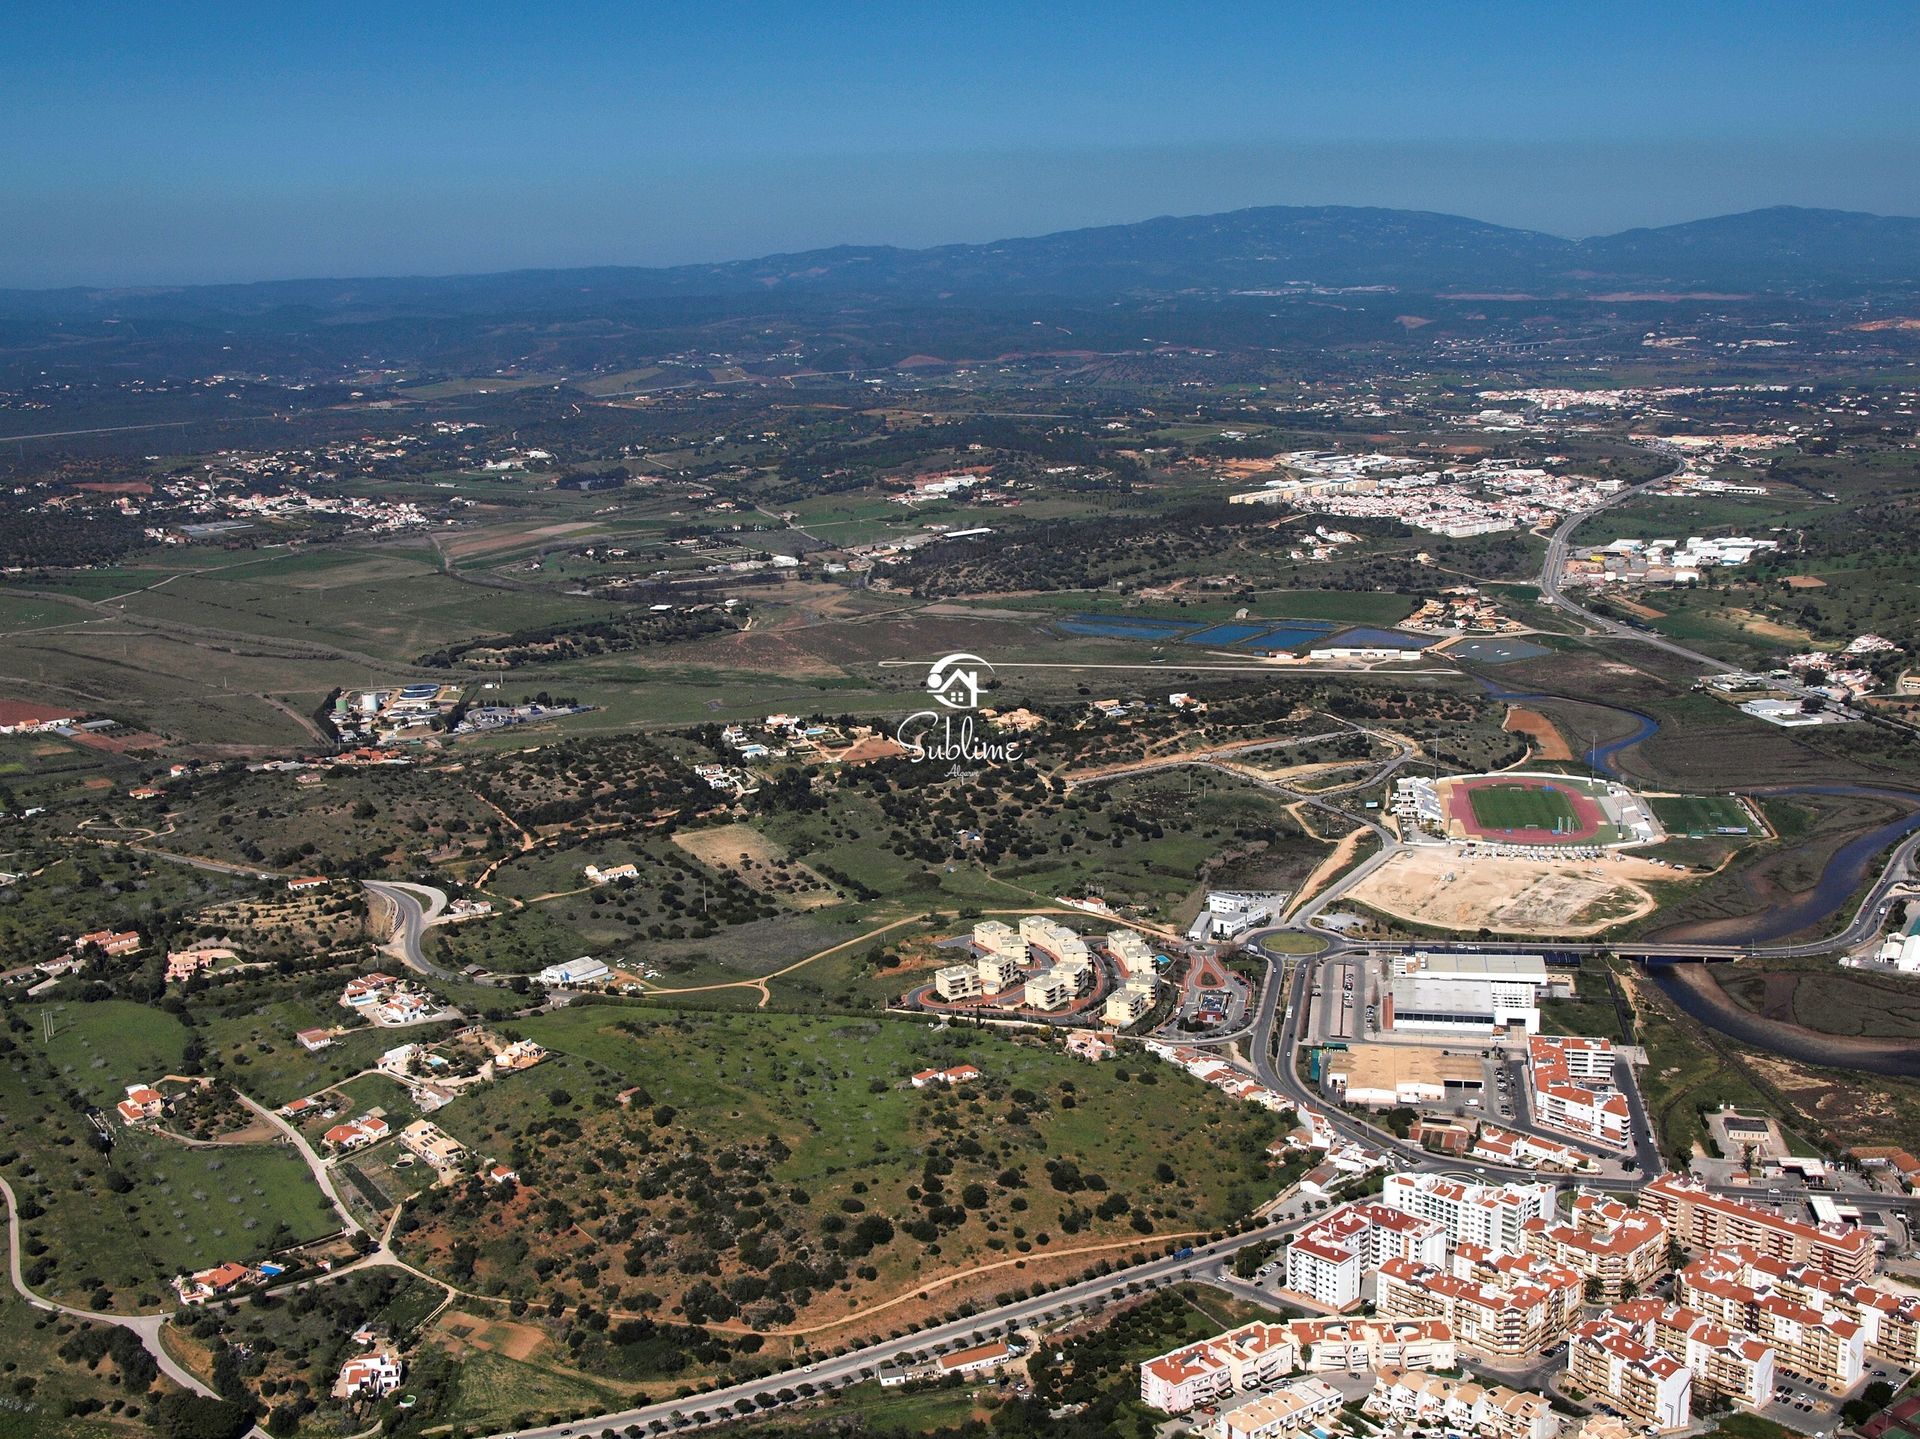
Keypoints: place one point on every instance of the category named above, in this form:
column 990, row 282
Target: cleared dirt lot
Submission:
column 1557, row 897
column 1547, row 741
column 756, row 861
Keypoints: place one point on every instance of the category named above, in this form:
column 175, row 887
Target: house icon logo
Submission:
column 955, row 680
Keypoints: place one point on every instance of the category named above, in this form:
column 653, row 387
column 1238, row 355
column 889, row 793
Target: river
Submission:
column 1691, row 986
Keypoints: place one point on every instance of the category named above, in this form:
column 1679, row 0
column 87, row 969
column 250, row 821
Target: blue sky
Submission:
column 163, row 144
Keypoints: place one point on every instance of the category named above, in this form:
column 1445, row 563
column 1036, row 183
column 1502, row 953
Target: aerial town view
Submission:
column 693, row 739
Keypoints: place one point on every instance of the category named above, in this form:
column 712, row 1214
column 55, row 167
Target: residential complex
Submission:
column 1500, row 1306
column 1818, row 1327
column 1327, row 1262
column 1650, row 1388
column 1573, row 1091
column 1619, row 1250
column 1700, row 1219
column 1459, row 1405
column 1492, row 1216
column 1293, row 1407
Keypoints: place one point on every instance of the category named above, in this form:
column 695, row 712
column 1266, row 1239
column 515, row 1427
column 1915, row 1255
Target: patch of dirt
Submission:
column 755, row 859
column 1546, row 740
column 1435, row 886
column 1805, row 582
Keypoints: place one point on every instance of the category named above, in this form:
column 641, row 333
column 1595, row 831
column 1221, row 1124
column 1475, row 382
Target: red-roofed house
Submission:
column 959, row 1074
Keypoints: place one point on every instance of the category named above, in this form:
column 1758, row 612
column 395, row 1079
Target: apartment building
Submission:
column 996, row 940
column 1619, row 1251
column 1355, row 1346
column 1131, row 952
column 998, row 973
column 1493, row 1216
column 1051, row 989
column 1130, row 1002
column 1786, row 1306
column 1649, row 1388
column 1056, row 939
column 1412, row 1397
column 1252, row 1355
column 957, row 982
column 1572, row 1091
column 1327, row 1262
column 1291, row 1409
column 1699, row 1219
column 1499, row 1313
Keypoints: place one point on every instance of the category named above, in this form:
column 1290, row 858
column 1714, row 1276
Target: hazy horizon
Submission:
column 233, row 145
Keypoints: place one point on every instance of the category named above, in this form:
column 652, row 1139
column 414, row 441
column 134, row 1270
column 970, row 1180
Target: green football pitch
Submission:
column 1702, row 814
column 1499, row 807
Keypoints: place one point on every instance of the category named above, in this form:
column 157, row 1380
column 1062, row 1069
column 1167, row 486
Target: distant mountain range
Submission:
column 1784, row 249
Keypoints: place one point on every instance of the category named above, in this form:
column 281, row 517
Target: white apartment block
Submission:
column 1327, row 1262
column 1251, row 1355
column 1131, row 952
column 1493, row 1216
column 1649, row 1388
column 1620, row 1250
column 998, row 973
column 995, row 939
column 1503, row 1307
column 957, row 981
column 1460, row 1405
column 1056, row 939
column 1051, row 989
column 1129, row 1003
column 1793, row 1308
column 1356, row 1346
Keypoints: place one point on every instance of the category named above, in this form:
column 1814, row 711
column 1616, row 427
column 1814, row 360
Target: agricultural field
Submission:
column 828, row 1181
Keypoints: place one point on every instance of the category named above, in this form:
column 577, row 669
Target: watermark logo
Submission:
column 955, row 682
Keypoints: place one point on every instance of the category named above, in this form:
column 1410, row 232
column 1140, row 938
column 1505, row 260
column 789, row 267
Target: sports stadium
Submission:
column 1557, row 810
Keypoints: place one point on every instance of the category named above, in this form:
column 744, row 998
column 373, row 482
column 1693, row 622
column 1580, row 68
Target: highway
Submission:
column 1553, row 566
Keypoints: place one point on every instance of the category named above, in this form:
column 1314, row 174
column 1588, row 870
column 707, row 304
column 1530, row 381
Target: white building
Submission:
column 1467, row 994
column 572, row 972
column 1130, row 1002
column 957, row 981
column 993, row 938
column 1328, row 1261
column 1132, row 953
column 1493, row 1216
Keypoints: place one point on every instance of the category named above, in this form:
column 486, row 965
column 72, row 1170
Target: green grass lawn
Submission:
column 1516, row 806
column 103, row 1047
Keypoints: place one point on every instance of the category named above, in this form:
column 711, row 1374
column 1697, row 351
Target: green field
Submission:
column 174, row 1207
column 1500, row 807
column 1693, row 815
column 801, row 1122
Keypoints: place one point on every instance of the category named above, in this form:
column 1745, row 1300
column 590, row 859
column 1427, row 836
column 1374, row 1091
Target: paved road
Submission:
column 960, row 1333
column 410, row 920
column 146, row 1326
column 1552, row 573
